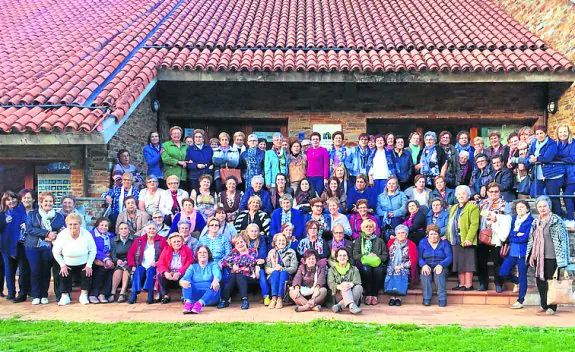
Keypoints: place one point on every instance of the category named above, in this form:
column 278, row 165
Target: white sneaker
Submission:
column 517, row 305
column 44, row 300
column 64, row 300
column 515, row 288
column 84, row 299
column 35, row 301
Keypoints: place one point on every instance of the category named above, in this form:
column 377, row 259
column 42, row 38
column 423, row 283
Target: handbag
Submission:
column 485, row 237
column 504, row 251
column 227, row 172
column 370, row 260
column 396, row 285
column 560, row 291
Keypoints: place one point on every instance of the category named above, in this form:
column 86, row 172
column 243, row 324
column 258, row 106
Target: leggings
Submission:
column 241, row 282
column 372, row 279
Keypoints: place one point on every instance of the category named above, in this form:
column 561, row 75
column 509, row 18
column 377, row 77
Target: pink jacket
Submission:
column 317, row 162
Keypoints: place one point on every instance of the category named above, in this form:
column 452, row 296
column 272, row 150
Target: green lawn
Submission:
column 317, row 336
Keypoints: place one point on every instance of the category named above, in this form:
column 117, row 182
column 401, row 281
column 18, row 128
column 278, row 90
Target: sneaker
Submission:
column 374, row 301
column 197, row 308
column 549, row 311
column 94, row 300
column 223, row 304
column 187, row 308
column 458, row 288
column 121, row 298
column 354, row 309
column 515, row 288
column 517, row 305
column 442, row 303
column 398, row 302
column 279, row 303
column 267, row 301
column 273, row 303
column 64, row 300
column 102, row 299
column 336, row 308
column 245, row 304
column 427, row 302
column 35, row 301
column 391, row 302
column 44, row 300
column 84, row 299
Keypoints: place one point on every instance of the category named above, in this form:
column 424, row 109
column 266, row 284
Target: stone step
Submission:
column 490, row 297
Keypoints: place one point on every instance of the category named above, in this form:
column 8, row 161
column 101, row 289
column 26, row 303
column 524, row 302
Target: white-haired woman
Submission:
column 432, row 160
column 252, row 160
column 171, row 199
column 257, row 189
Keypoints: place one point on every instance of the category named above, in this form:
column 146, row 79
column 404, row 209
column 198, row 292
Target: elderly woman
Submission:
column 121, row 244
column 226, row 229
column 566, row 154
column 337, row 218
column 134, row 217
column 199, row 158
column 184, row 230
column 370, row 255
column 432, row 160
column 308, row 285
column 115, row 196
column 171, row 199
column 142, row 259
column 74, row 250
column 317, row 163
column 219, row 244
column 465, row 168
column 103, row 269
column 402, row 263
column 333, row 190
column 275, row 161
column 438, row 215
column 547, row 249
column 123, row 166
column 68, row 203
column 201, row 282
column 172, row 265
column 42, row 227
column 419, row 192
column 229, row 200
column 481, row 177
column 442, row 191
column 12, row 235
column 495, row 147
column 158, row 219
column 303, row 195
column 318, row 216
column 224, row 157
column 286, row 214
column 415, row 221
column 281, row 263
column 382, row 165
column 189, row 213
column 288, row 230
column 464, row 144
column 356, row 220
column 257, row 190
column 252, row 160
column 297, row 165
column 153, row 156
column 149, row 198
column 279, row 190
column 361, row 191
column 462, row 228
column 338, row 241
column 338, row 151
column 204, row 198
column 174, row 155
column 242, row 264
column 435, row 256
column 344, row 281
column 314, row 241
column 451, row 155
column 254, row 216
column 403, row 163
column 391, row 207
column 521, row 224
column 494, row 227
column 357, row 160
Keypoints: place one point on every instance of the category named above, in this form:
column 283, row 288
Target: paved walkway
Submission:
column 466, row 315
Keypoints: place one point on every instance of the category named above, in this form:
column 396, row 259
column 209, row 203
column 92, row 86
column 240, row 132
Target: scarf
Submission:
column 122, row 195
column 281, row 253
column 191, row 219
column 539, row 145
column 429, row 161
column 409, row 220
column 397, row 256
column 367, row 243
column 497, row 206
column 342, row 270
column 317, row 245
column 106, row 238
column 519, row 221
column 335, row 245
column 297, row 158
column 455, row 238
column 415, row 149
column 537, row 258
column 175, row 204
column 47, row 218
column 363, row 158
column 303, row 197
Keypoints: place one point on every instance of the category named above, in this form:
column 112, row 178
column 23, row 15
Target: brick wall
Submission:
column 553, row 21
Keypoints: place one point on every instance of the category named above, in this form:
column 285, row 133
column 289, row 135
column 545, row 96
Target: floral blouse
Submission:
column 246, row 262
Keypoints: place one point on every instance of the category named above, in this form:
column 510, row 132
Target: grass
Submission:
column 316, row 336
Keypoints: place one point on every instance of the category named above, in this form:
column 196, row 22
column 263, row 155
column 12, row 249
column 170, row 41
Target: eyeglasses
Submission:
column 173, row 183
column 494, row 191
column 317, row 205
column 214, row 225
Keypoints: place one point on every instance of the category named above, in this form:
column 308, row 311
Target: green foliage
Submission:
column 318, row 335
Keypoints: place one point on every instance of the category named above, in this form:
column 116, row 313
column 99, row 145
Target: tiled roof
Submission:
column 69, row 65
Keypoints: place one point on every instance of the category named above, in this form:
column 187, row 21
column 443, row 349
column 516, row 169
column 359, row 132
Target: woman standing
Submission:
column 548, row 247
column 149, row 198
column 252, row 161
column 120, row 246
column 308, row 286
column 432, row 161
column 382, row 166
column 275, row 161
column 344, row 281
column 26, row 196
column 229, row 200
column 481, row 177
column 463, row 143
column 204, row 198
column 465, row 168
column 12, row 245
column 279, row 190
column 402, row 254
column 340, row 172
column 495, row 147
column 172, row 265
column 389, row 141
column 199, row 158
column 566, row 154
column 225, row 157
column 318, row 164
column 201, row 282
column 281, row 263
column 153, row 157
column 303, row 196
column 103, row 269
column 414, row 146
column 462, row 229
column 174, row 155
column 123, row 166
column 297, row 165
column 357, row 160
column 403, row 163
column 338, row 152
column 451, row 155
column 42, row 227
column 74, row 251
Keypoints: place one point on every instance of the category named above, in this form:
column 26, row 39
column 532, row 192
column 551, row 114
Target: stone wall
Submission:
column 554, row 22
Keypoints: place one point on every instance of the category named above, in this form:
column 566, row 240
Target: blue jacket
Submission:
column 353, row 196
column 396, row 203
column 11, row 231
column 296, row 221
column 547, row 154
column 442, row 255
column 566, row 154
column 153, row 160
column 101, row 254
column 518, row 244
column 199, row 156
column 449, row 196
column 264, row 196
column 441, row 220
column 253, row 168
column 201, row 278
column 262, row 249
column 35, row 231
column 200, row 223
column 353, row 162
column 388, row 158
column 403, row 165
column 504, row 178
column 273, row 166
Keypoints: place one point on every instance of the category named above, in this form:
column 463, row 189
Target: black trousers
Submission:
column 55, row 275
column 66, row 281
column 241, row 282
column 484, row 255
column 549, row 267
column 166, row 284
column 11, row 265
column 101, row 281
column 371, row 279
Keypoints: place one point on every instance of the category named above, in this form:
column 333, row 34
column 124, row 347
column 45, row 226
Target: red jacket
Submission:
column 166, row 258
column 413, row 259
column 136, row 251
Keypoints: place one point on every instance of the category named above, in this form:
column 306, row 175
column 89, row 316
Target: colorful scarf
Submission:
column 363, row 158
column 396, row 253
column 537, row 258
column 429, row 161
column 367, row 242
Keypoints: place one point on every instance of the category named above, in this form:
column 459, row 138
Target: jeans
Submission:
column 102, row 281
column 264, row 285
column 371, row 279
column 379, row 185
column 144, row 279
column 440, row 282
column 569, row 189
column 549, row 270
column 40, row 260
column 66, row 281
column 241, row 282
column 550, row 187
column 278, row 281
column 508, row 263
column 316, row 183
column 207, row 297
column 11, row 265
column 486, row 253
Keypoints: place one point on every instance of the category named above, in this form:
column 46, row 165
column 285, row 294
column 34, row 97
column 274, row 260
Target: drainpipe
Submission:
column 85, row 171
